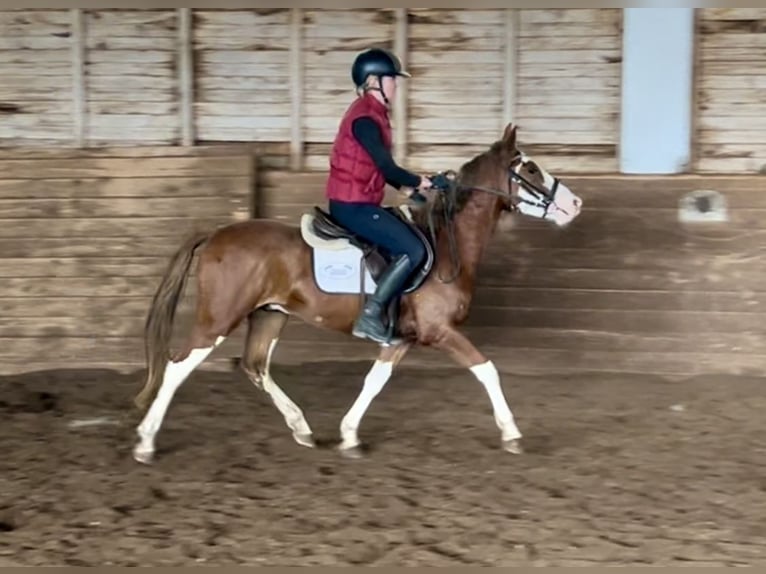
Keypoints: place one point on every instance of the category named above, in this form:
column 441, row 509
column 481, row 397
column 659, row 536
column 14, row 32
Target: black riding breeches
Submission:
column 380, row 227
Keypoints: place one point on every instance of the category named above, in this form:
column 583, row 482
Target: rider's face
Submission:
column 389, row 87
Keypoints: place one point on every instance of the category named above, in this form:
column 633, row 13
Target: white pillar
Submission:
column 657, row 71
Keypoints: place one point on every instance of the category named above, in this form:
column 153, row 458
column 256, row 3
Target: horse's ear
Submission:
column 509, row 136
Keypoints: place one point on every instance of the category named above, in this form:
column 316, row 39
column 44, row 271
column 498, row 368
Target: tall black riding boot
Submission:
column 369, row 324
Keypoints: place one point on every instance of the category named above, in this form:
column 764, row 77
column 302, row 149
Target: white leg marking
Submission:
column 487, row 374
column 376, row 379
column 277, row 307
column 175, row 375
column 293, row 415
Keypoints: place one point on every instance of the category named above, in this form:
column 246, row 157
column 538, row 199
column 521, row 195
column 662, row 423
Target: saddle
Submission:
column 324, row 226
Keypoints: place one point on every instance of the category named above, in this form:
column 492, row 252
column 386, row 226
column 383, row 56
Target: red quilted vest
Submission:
column 353, row 175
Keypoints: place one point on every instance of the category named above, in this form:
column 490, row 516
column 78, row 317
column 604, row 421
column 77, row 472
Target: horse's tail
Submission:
column 158, row 328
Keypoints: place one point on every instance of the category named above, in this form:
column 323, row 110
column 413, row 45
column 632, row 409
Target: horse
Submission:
column 264, row 271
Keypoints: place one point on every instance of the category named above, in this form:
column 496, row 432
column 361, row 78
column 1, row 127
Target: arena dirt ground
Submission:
column 618, row 470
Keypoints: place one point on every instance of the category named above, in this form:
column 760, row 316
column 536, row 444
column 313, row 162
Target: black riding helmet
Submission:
column 376, row 62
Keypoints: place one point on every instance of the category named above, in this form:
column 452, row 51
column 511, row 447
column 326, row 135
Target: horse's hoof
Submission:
column 513, row 446
column 352, row 453
column 143, row 456
column 304, row 440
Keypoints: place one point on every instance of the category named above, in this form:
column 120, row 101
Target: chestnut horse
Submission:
column 264, row 271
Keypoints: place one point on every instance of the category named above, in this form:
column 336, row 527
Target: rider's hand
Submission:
column 425, row 182
column 441, row 181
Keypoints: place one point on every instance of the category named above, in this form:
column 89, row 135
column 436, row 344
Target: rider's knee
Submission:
column 417, row 254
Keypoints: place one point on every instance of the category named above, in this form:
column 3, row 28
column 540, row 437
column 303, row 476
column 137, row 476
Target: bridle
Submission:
column 532, row 195
column 531, row 200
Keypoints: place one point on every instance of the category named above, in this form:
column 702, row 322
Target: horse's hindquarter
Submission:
column 272, row 266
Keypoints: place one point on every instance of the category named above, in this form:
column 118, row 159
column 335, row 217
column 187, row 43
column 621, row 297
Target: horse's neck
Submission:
column 474, row 226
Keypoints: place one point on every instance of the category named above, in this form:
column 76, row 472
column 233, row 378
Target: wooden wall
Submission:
column 282, row 77
column 626, row 288
column 36, row 81
column 84, row 237
column 731, row 106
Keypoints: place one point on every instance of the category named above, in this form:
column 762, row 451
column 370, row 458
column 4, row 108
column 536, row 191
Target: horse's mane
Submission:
column 470, row 173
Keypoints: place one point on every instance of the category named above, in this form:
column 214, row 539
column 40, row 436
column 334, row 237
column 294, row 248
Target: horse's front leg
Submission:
column 376, row 379
column 467, row 355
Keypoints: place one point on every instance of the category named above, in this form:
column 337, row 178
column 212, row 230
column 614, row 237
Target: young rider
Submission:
column 360, row 166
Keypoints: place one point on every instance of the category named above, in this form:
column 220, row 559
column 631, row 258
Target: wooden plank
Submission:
column 510, row 76
column 432, row 39
column 80, row 286
column 562, row 69
column 575, row 58
column 296, row 89
column 34, row 18
column 617, row 279
column 733, row 13
column 78, row 77
column 740, row 59
column 274, row 39
column 734, row 165
column 33, row 43
column 440, row 17
column 736, row 123
column 132, row 43
column 735, row 70
column 723, row 40
column 104, row 226
column 121, row 207
column 186, row 76
column 718, row 79
column 88, row 247
column 754, row 138
column 156, row 86
column 223, row 99
column 56, row 57
column 538, row 361
column 563, row 339
column 93, row 266
column 568, row 16
column 255, row 108
column 727, row 110
column 123, row 151
column 249, row 20
column 123, row 167
column 636, row 300
column 539, row 33
column 337, row 21
column 400, row 113
column 91, row 308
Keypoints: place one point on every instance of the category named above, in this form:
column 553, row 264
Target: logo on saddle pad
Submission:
column 344, row 263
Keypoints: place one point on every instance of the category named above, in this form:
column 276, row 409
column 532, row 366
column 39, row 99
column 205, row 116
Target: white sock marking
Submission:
column 294, row 417
column 376, row 379
column 487, row 374
column 175, row 375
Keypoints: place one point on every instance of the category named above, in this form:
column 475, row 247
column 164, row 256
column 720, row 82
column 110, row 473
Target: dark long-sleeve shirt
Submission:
column 368, row 134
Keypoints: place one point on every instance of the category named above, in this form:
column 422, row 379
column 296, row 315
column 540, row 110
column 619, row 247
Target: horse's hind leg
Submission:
column 264, row 328
column 376, row 379
column 176, row 372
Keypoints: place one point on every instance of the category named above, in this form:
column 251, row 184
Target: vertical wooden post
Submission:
column 401, row 98
column 694, row 111
column 78, row 76
column 186, row 75
column 511, row 65
column 296, row 89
